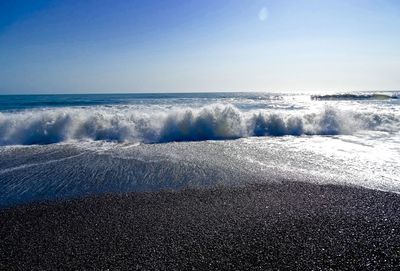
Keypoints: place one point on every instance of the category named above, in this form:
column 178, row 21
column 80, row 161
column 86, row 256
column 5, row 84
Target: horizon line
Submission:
column 198, row 92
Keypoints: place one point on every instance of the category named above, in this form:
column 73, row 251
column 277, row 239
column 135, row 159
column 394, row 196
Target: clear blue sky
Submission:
column 50, row 46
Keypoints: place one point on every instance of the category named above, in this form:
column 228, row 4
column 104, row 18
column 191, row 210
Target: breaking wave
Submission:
column 212, row 122
column 375, row 96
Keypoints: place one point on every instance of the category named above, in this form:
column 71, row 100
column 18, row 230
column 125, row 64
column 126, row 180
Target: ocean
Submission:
column 68, row 146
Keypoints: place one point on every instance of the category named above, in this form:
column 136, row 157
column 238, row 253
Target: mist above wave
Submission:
column 212, row 122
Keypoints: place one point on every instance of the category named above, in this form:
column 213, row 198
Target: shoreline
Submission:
column 286, row 225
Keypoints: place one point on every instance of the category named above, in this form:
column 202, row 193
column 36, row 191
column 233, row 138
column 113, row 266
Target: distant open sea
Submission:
column 62, row 146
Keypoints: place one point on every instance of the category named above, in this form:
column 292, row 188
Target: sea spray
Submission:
column 212, row 122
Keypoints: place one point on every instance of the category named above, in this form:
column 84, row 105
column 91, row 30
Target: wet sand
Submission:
column 291, row 226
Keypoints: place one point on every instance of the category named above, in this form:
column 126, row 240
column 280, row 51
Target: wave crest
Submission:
column 208, row 123
column 375, row 96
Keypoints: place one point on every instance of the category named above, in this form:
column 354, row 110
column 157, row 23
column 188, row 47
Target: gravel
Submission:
column 289, row 226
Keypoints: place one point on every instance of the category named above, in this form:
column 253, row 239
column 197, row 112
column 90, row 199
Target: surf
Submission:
column 211, row 122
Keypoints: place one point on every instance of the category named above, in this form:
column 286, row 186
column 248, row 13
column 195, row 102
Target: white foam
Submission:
column 211, row 122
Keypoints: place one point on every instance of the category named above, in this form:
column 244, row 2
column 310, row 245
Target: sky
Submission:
column 85, row 46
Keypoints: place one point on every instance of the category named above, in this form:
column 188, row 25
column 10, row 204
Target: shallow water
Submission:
column 73, row 145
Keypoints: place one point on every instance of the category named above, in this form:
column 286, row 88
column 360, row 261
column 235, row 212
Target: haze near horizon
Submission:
column 182, row 46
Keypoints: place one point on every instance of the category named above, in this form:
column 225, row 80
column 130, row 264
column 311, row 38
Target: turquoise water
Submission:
column 18, row 102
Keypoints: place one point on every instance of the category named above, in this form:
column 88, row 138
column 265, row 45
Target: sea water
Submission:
column 61, row 146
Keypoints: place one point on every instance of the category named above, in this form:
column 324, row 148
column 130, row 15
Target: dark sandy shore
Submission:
column 290, row 226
